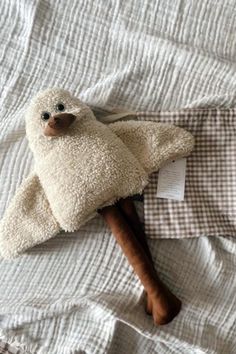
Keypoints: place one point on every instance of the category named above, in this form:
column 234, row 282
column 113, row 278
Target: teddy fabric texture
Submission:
column 91, row 166
column 209, row 205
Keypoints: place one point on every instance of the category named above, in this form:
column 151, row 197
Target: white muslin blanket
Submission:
column 76, row 293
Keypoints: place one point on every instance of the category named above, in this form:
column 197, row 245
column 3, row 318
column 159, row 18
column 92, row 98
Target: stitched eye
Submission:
column 60, row 107
column 45, row 115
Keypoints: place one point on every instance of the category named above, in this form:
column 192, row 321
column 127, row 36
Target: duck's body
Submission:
column 81, row 165
column 86, row 170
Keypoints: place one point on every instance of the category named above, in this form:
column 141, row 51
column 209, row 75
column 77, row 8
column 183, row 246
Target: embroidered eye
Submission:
column 60, row 107
column 45, row 115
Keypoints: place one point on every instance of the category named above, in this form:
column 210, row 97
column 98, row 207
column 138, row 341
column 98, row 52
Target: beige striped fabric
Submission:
column 209, row 206
column 6, row 348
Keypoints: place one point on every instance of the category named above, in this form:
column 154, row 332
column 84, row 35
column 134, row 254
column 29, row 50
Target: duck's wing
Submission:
column 154, row 144
column 28, row 220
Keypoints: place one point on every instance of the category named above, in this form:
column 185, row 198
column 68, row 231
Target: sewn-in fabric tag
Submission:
column 171, row 180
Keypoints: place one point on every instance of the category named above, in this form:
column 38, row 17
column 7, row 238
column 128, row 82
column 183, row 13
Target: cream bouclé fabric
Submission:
column 154, row 144
column 90, row 166
column 28, row 219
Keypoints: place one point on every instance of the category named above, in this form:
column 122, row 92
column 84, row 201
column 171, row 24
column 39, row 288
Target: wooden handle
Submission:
column 161, row 303
column 131, row 248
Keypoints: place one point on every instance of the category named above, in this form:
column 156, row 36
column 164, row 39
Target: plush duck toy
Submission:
column 82, row 167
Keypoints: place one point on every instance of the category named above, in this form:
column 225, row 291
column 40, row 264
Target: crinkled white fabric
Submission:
column 76, row 293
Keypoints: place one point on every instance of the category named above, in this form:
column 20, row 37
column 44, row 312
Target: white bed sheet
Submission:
column 76, row 293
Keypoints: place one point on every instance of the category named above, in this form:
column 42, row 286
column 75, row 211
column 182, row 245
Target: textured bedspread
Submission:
column 76, row 293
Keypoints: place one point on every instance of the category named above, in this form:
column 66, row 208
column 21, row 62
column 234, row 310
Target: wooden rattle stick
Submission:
column 165, row 306
column 128, row 209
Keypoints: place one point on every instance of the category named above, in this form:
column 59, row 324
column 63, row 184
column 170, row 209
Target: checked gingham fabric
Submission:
column 209, row 206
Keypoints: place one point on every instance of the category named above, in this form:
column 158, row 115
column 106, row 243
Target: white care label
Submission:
column 171, row 180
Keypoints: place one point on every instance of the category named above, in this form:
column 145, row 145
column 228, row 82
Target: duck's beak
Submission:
column 59, row 124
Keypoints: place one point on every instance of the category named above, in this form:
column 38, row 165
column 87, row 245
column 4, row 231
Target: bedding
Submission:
column 5, row 348
column 209, row 205
column 76, row 293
